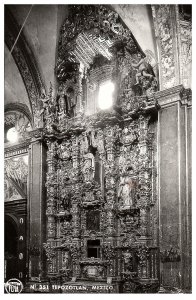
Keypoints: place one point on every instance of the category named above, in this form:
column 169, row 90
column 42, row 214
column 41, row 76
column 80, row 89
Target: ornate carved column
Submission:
column 75, row 209
column 110, row 193
column 51, row 185
column 110, row 178
column 144, row 177
column 75, row 245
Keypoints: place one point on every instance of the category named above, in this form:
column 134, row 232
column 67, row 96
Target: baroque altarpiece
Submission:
column 101, row 199
column 101, row 181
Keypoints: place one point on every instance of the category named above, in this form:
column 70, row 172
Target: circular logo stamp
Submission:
column 13, row 286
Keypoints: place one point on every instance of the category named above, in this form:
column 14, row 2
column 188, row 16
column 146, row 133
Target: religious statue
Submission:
column 89, row 167
column 70, row 102
column 125, row 192
column 128, row 260
column 45, row 102
column 49, row 106
column 38, row 118
column 143, row 69
column 65, row 260
column 61, row 102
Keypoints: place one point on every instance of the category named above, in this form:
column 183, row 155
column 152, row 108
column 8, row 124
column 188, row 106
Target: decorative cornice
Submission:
column 18, row 206
column 172, row 95
column 17, row 149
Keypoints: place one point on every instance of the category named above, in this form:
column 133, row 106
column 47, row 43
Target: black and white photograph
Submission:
column 97, row 148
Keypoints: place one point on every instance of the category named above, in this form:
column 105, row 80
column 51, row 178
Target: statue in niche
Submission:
column 89, row 167
column 128, row 260
column 89, row 161
column 61, row 101
column 84, row 144
column 143, row 69
column 70, row 102
column 66, row 200
column 65, row 226
column 65, row 261
column 125, row 192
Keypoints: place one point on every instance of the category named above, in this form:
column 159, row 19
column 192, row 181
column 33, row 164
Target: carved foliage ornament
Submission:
column 94, row 28
column 73, row 198
column 162, row 15
column 97, row 18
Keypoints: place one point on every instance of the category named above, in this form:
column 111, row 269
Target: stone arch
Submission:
column 17, row 116
column 13, row 220
column 24, row 60
column 20, row 107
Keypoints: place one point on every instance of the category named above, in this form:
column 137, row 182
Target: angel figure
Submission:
column 143, row 69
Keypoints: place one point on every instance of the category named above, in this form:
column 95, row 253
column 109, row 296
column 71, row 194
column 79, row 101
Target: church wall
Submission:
column 169, row 223
column 188, row 207
column 173, row 195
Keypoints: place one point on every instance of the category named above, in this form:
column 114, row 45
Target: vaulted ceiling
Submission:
column 15, row 90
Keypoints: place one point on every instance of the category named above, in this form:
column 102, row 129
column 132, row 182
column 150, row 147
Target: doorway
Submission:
column 11, row 249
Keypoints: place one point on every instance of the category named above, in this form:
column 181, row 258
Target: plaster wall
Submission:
column 15, row 90
column 175, row 193
column 139, row 20
column 41, row 31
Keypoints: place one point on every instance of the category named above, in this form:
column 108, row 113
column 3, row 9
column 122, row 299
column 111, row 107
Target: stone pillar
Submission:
column 173, row 187
column 36, row 209
column 110, row 179
column 174, row 44
column 76, row 245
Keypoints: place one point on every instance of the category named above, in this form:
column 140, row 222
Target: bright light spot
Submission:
column 105, row 95
column 12, row 135
column 26, row 159
column 81, row 67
